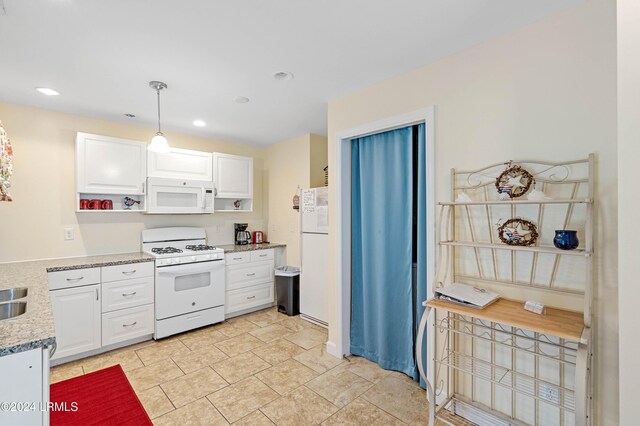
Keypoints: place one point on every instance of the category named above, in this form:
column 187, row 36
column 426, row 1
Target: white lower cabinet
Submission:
column 249, row 281
column 249, row 297
column 77, row 317
column 25, row 390
column 126, row 324
column 126, row 294
column 108, row 311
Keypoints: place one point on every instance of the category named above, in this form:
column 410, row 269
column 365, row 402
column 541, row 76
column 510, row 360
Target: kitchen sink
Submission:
column 12, row 309
column 13, row 294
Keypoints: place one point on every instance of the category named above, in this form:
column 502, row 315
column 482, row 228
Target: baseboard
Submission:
column 332, row 349
column 100, row 350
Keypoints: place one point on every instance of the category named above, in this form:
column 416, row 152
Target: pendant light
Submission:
column 159, row 142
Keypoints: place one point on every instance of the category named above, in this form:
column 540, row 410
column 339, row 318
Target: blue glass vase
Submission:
column 566, row 240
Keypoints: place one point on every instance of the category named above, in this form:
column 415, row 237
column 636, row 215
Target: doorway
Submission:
column 339, row 333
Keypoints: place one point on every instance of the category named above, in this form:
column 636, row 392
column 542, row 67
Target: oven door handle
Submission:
column 174, row 273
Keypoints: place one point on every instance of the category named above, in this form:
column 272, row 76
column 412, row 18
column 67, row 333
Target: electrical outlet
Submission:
column 274, row 227
column 292, row 227
column 550, row 393
column 68, row 233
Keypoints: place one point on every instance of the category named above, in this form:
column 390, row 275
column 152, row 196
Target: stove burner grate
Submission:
column 165, row 250
column 199, row 247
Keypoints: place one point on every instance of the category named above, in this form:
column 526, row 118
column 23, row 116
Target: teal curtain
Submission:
column 381, row 247
column 386, row 301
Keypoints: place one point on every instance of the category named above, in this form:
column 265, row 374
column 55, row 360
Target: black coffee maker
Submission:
column 243, row 236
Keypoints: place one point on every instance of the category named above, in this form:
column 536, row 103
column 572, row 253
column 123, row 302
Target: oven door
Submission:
column 172, row 196
column 182, row 289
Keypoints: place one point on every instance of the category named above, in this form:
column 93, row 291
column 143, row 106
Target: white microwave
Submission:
column 177, row 196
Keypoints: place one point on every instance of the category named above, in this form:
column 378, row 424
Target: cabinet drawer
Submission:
column 127, row 294
column 73, row 278
column 238, row 257
column 128, row 271
column 249, row 297
column 252, row 273
column 260, row 255
column 127, row 324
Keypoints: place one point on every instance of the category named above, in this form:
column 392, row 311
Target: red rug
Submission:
column 104, row 397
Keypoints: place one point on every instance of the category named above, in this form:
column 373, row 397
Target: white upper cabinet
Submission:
column 233, row 176
column 106, row 165
column 181, row 164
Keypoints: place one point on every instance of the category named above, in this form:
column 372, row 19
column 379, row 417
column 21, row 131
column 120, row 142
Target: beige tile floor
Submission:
column 259, row 369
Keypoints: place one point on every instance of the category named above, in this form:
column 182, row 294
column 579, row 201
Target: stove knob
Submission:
column 169, row 261
column 194, row 258
column 177, row 260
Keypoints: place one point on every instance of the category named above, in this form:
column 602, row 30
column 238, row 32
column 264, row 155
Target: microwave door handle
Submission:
column 202, row 192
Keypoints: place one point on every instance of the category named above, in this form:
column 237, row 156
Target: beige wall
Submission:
column 629, row 205
column 318, row 160
column 43, row 188
column 286, row 169
column 289, row 165
column 546, row 91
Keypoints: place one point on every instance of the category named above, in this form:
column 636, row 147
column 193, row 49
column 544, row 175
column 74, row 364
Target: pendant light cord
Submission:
column 158, row 92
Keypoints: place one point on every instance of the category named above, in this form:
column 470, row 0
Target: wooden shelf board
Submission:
column 555, row 322
column 511, row 202
column 538, row 249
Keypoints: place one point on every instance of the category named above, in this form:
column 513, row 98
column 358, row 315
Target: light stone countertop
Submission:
column 35, row 328
column 233, row 248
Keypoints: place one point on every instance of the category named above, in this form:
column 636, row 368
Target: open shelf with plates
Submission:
column 503, row 365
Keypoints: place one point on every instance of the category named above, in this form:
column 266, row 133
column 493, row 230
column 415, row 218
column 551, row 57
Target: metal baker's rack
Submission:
column 502, row 365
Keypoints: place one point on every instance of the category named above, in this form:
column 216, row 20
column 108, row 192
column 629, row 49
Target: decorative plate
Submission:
column 518, row 232
column 514, row 182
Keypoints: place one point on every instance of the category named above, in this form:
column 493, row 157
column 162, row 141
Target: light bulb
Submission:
column 159, row 144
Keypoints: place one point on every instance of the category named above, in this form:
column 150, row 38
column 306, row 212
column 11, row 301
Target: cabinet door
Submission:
column 180, row 164
column 76, row 314
column 106, row 165
column 233, row 176
column 22, row 376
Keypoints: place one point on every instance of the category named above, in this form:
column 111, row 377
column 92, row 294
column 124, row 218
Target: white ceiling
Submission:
column 101, row 54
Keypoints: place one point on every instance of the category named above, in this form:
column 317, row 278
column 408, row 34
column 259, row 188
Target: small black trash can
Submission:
column 288, row 290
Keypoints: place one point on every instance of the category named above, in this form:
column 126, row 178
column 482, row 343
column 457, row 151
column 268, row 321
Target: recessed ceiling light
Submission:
column 199, row 123
column 130, row 115
column 283, row 75
column 47, row 91
column 241, row 99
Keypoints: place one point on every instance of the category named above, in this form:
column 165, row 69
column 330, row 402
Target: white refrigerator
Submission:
column 314, row 247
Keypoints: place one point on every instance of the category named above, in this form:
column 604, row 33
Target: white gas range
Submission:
column 190, row 279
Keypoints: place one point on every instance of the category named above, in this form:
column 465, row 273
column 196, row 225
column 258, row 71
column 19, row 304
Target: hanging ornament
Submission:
column 6, row 165
column 518, row 232
column 514, row 182
column 296, row 199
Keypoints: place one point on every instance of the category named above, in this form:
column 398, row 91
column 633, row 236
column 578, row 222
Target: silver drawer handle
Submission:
column 252, row 274
column 237, row 258
column 263, row 255
column 75, row 280
column 129, row 294
column 251, row 297
column 130, row 325
column 129, row 272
